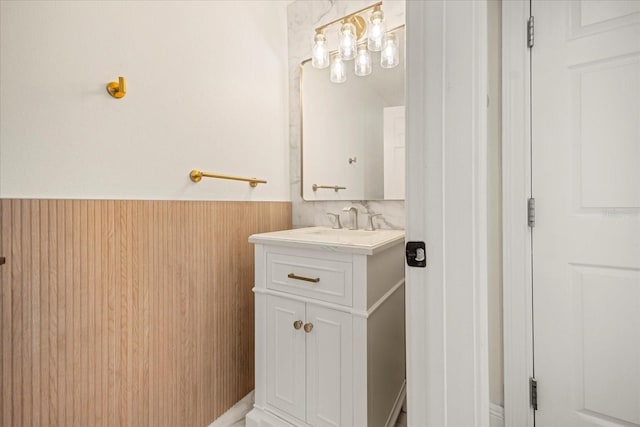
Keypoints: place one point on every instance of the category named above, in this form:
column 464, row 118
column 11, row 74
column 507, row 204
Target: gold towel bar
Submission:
column 332, row 187
column 196, row 176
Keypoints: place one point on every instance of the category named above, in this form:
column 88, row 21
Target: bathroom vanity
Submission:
column 330, row 336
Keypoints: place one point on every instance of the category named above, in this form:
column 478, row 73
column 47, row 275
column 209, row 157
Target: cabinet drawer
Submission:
column 322, row 279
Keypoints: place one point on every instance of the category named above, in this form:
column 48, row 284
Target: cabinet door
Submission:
column 286, row 356
column 329, row 368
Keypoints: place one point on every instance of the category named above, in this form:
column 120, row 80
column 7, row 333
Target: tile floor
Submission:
column 234, row 417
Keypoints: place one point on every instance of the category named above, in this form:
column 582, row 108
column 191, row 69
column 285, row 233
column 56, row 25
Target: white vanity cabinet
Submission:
column 329, row 313
column 308, row 373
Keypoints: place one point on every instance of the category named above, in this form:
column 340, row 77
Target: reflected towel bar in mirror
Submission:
column 196, row 176
column 335, row 188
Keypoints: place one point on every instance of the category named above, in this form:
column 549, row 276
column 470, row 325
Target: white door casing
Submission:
column 516, row 189
column 447, row 369
column 586, row 241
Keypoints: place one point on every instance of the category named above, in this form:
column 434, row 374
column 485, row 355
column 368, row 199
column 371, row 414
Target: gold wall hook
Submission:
column 117, row 89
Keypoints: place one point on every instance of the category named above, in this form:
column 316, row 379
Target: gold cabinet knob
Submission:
column 297, row 324
column 308, row 327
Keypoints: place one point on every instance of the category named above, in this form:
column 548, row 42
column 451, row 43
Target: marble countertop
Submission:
column 329, row 239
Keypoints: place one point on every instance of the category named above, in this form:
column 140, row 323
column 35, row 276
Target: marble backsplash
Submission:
column 303, row 16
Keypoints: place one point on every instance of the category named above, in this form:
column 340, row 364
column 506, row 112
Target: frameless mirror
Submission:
column 353, row 132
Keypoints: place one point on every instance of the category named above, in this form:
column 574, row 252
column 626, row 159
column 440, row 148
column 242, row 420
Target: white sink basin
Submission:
column 342, row 240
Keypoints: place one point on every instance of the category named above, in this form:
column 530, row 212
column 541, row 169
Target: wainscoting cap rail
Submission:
column 196, row 176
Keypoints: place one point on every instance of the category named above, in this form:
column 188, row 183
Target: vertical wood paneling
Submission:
column 16, row 315
column 91, row 346
column 60, row 308
column 36, row 310
column 127, row 313
column 5, row 305
column 68, row 231
column 43, row 241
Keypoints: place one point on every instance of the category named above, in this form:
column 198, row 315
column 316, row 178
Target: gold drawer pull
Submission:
column 308, row 327
column 297, row 324
column 306, row 279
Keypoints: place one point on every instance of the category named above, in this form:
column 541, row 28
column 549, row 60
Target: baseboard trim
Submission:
column 496, row 415
column 262, row 417
column 236, row 413
column 397, row 406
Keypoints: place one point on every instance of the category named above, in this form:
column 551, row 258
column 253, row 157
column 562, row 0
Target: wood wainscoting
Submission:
column 127, row 313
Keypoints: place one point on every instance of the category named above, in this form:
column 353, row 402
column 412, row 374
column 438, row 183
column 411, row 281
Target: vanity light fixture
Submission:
column 376, row 30
column 363, row 61
column 352, row 43
column 320, row 51
column 338, row 70
column 347, row 44
column 389, row 56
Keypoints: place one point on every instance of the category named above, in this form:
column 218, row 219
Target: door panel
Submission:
column 607, row 316
column 586, row 181
column 285, row 356
column 329, row 362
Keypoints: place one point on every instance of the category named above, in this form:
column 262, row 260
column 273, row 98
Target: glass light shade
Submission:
column 390, row 56
column 347, row 43
column 376, row 31
column 363, row 61
column 320, row 52
column 338, row 70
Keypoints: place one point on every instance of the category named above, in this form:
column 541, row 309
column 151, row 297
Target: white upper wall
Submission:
column 207, row 89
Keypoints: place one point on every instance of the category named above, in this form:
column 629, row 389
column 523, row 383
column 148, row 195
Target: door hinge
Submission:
column 533, row 393
column 531, row 212
column 530, row 32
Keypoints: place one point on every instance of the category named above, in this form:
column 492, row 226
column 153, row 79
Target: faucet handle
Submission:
column 336, row 220
column 370, row 225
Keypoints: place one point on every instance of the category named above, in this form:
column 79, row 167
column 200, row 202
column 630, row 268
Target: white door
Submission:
column 586, row 240
column 286, row 355
column 446, row 301
column 329, row 367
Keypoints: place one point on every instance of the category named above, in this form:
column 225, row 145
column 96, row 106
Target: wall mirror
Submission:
column 353, row 132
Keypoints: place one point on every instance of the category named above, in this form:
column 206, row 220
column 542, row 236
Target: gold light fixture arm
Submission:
column 196, row 176
column 117, row 89
column 346, row 18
